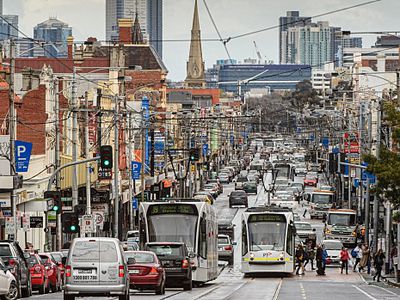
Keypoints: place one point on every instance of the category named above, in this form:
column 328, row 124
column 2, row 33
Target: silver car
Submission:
column 225, row 248
column 96, row 267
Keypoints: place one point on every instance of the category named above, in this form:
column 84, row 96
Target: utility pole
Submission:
column 131, row 216
column 12, row 131
column 88, row 195
column 74, row 140
column 142, row 171
column 366, row 220
column 116, row 167
column 376, row 200
column 57, row 155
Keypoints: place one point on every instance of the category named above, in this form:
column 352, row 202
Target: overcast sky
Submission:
column 233, row 17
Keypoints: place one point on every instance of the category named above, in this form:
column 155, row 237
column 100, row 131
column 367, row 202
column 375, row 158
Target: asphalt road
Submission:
column 231, row 285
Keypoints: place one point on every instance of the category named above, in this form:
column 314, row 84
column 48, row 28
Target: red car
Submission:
column 310, row 180
column 145, row 271
column 53, row 272
column 39, row 279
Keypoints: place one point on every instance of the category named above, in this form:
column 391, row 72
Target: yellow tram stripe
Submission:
column 265, row 259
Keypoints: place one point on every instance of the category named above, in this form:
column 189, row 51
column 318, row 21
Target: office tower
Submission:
column 155, row 24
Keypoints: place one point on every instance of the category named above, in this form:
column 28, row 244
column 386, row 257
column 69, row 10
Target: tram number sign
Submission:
column 267, row 218
column 162, row 209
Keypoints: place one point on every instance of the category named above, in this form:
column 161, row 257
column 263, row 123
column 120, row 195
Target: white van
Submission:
column 96, row 267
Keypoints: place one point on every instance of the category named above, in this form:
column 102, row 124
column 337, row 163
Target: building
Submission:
column 291, row 19
column 155, row 24
column 369, row 57
column 195, row 70
column 9, row 27
column 54, row 33
column 322, row 78
column 274, row 78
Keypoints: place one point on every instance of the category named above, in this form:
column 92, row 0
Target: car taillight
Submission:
column 38, row 269
column 121, row 271
column 228, row 248
column 11, row 262
column 68, row 271
column 153, row 271
column 185, row 264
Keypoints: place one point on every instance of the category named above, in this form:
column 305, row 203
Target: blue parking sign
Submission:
column 136, row 168
column 22, row 156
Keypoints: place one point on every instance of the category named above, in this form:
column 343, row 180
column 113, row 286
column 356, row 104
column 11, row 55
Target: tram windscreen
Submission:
column 267, row 232
column 173, row 223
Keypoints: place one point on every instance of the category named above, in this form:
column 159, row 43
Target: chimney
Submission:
column 125, row 31
column 70, row 45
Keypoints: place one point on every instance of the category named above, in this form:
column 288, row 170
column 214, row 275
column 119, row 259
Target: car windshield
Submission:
column 321, row 199
column 140, row 257
column 303, row 226
column 173, row 228
column 267, row 235
column 166, row 250
column 32, row 260
column 241, row 179
column 223, row 240
column 341, row 219
column 5, row 250
column 333, row 245
column 93, row 250
column 238, row 194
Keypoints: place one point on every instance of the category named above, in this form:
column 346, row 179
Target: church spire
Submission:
column 195, row 66
column 137, row 35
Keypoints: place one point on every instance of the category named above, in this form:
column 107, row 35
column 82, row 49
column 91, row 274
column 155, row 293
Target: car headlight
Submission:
column 354, row 233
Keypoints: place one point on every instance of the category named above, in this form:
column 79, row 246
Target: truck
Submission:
column 341, row 224
column 318, row 202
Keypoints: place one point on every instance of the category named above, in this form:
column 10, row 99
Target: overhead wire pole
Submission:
column 57, row 155
column 87, row 150
column 74, row 103
column 116, row 168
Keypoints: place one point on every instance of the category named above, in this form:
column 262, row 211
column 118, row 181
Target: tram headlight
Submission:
column 251, row 256
column 281, row 256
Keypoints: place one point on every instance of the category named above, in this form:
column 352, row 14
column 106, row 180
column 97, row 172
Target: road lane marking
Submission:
column 386, row 290
column 365, row 293
column 278, row 289
column 236, row 289
column 207, row 292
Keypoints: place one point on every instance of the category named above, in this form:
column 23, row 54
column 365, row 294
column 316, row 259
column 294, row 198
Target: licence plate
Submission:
column 85, row 277
column 85, row 271
column 133, row 271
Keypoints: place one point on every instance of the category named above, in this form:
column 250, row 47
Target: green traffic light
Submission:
column 55, row 208
column 106, row 162
column 73, row 227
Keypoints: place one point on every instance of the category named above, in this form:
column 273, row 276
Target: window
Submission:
column 289, row 240
column 203, row 238
column 5, row 250
column 140, row 257
column 244, row 239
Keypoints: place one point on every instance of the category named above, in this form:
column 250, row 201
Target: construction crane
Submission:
column 258, row 52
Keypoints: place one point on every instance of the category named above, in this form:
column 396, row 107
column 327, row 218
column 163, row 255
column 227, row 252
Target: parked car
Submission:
column 145, row 271
column 13, row 256
column 225, row 248
column 8, row 283
column 58, row 257
column 96, row 267
column 238, row 198
column 250, row 187
column 53, row 271
column 176, row 261
column 239, row 181
column 39, row 279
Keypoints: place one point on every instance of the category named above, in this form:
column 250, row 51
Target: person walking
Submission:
column 365, row 258
column 379, row 260
column 324, row 258
column 357, row 254
column 310, row 255
column 300, row 255
column 318, row 257
column 344, row 260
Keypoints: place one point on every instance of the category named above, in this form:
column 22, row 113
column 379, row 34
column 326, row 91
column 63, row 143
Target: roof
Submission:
column 52, row 22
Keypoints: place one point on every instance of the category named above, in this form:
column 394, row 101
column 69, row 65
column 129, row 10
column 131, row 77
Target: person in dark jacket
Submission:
column 379, row 260
column 300, row 257
column 319, row 259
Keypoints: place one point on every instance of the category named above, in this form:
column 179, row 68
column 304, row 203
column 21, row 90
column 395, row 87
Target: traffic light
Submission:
column 342, row 157
column 194, row 154
column 106, row 157
column 53, row 201
column 70, row 222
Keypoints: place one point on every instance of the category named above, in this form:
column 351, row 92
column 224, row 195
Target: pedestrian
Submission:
column 393, row 258
column 324, row 258
column 357, row 254
column 344, row 260
column 310, row 255
column 365, row 258
column 299, row 259
column 379, row 260
column 318, row 257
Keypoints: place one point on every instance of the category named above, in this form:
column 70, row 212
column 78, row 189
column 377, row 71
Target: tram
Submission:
column 189, row 221
column 268, row 240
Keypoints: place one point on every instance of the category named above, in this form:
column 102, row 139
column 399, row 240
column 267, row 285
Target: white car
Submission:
column 8, row 283
column 333, row 247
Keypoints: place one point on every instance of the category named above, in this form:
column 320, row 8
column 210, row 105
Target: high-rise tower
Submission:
column 155, row 24
column 195, row 76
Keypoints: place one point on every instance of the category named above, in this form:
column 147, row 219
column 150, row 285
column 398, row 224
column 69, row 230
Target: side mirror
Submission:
column 234, row 243
column 131, row 261
column 64, row 260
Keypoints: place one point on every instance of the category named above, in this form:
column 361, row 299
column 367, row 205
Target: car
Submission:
column 224, row 178
column 13, row 256
column 220, row 186
column 53, row 271
column 239, row 181
column 8, row 283
column 206, row 197
column 310, row 180
column 243, row 173
column 228, row 172
column 238, row 198
column 176, row 261
column 58, row 258
column 306, row 232
column 39, row 278
column 132, row 235
column 250, row 187
column 225, row 248
column 296, row 217
column 95, row 266
column 212, row 188
column 333, row 248
column 145, row 271
column 130, row 245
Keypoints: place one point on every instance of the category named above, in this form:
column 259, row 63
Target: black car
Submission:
column 238, row 198
column 12, row 255
column 176, row 261
column 250, row 187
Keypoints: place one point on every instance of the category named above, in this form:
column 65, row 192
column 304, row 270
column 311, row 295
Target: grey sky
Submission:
column 87, row 17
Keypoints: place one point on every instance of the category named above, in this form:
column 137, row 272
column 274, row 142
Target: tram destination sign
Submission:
column 267, row 218
column 164, row 209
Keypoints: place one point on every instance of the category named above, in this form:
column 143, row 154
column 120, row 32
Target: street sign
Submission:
column 135, row 203
column 325, row 142
column 87, row 225
column 10, row 225
column 205, row 150
column 22, row 156
column 136, row 168
column 365, row 175
column 51, row 219
column 36, row 222
column 99, row 219
column 26, row 224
